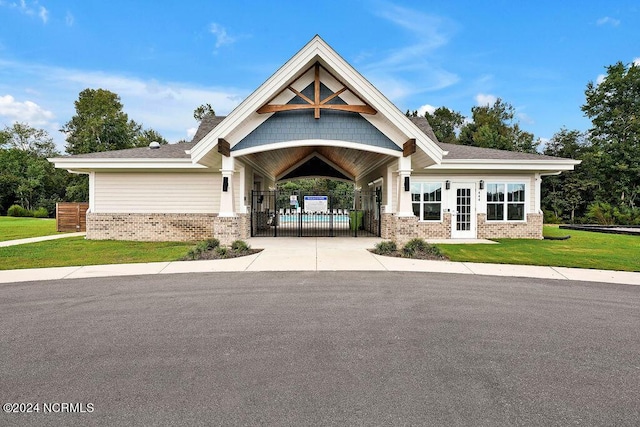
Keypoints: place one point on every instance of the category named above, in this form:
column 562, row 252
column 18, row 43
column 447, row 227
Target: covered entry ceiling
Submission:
column 350, row 162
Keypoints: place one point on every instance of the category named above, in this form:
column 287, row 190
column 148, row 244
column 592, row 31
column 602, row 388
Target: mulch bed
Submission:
column 212, row 254
column 417, row 255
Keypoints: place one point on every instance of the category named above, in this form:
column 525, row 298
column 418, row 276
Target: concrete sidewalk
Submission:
column 39, row 239
column 319, row 254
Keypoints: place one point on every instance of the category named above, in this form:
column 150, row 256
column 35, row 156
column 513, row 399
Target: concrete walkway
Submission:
column 39, row 239
column 319, row 254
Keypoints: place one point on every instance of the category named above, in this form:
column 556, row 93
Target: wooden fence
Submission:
column 71, row 216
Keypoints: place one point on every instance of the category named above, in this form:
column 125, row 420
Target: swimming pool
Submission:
column 313, row 218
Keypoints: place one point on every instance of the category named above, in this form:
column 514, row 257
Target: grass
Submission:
column 78, row 251
column 583, row 250
column 20, row 228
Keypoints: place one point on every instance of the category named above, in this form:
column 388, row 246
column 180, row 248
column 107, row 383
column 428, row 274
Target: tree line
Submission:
column 28, row 180
column 604, row 188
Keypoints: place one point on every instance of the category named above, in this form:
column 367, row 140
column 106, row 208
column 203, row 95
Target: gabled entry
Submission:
column 317, row 103
column 317, row 66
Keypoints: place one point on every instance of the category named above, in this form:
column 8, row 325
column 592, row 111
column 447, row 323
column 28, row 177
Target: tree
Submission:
column 613, row 106
column 23, row 137
column 29, row 180
column 445, row 123
column 99, row 124
column 567, row 195
column 26, row 177
column 493, row 126
column 203, row 111
column 145, row 137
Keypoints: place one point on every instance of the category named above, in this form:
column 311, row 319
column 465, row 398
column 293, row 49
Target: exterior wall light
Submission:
column 481, row 184
column 447, row 185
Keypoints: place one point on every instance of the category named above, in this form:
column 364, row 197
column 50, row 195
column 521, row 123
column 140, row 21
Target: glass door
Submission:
column 464, row 216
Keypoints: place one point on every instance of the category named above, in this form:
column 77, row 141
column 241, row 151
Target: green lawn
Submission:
column 583, row 250
column 20, row 228
column 78, row 251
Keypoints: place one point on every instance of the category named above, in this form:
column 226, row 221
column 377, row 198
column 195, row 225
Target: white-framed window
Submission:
column 506, row 201
column 426, row 198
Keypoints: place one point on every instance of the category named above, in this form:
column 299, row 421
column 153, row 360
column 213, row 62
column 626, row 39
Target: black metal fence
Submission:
column 300, row 214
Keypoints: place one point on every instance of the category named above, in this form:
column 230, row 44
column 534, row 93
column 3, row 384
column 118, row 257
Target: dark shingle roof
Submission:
column 206, row 125
column 466, row 152
column 177, row 151
column 168, row 151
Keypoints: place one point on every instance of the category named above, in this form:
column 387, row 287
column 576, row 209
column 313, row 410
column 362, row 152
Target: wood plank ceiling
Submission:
column 354, row 162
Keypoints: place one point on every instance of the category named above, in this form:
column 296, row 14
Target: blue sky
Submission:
column 166, row 58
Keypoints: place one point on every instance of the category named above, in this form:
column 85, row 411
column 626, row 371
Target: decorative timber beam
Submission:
column 409, row 147
column 224, row 147
column 316, row 104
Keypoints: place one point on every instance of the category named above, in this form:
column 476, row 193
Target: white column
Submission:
column 537, row 193
column 226, row 197
column 92, row 191
column 404, row 196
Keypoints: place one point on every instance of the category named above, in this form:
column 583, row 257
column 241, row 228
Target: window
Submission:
column 426, row 198
column 501, row 208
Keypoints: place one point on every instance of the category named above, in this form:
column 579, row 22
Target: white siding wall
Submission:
column 157, row 192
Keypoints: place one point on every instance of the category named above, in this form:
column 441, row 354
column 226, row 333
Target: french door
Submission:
column 464, row 214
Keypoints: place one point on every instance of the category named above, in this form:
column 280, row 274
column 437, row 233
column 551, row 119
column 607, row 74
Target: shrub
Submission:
column 626, row 215
column 551, row 218
column 18, row 211
column 41, row 213
column 192, row 254
column 240, row 246
column 212, row 243
column 386, row 247
column 202, row 247
column 601, row 213
column 417, row 246
column 222, row 251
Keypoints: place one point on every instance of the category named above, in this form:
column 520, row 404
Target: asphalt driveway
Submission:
column 321, row 348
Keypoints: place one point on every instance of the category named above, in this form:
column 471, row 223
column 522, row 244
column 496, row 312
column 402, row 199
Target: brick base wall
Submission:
column 228, row 229
column 166, row 227
column 194, row 227
column 436, row 230
column 532, row 229
column 403, row 229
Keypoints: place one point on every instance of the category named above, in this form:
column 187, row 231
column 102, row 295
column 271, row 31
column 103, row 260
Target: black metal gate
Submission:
column 302, row 214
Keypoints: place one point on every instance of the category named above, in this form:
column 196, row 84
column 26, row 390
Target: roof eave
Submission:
column 485, row 164
column 111, row 163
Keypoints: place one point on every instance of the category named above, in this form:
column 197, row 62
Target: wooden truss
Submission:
column 317, row 104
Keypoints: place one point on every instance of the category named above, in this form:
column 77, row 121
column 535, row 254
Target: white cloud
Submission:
column 607, row 20
column 524, row 118
column 222, row 38
column 483, row 99
column 636, row 62
column 600, row 78
column 410, row 69
column 164, row 106
column 426, row 108
column 32, row 8
column 27, row 111
column 191, row 133
column 69, row 19
column 43, row 14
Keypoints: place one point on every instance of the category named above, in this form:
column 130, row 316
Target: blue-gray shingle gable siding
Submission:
column 301, row 125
